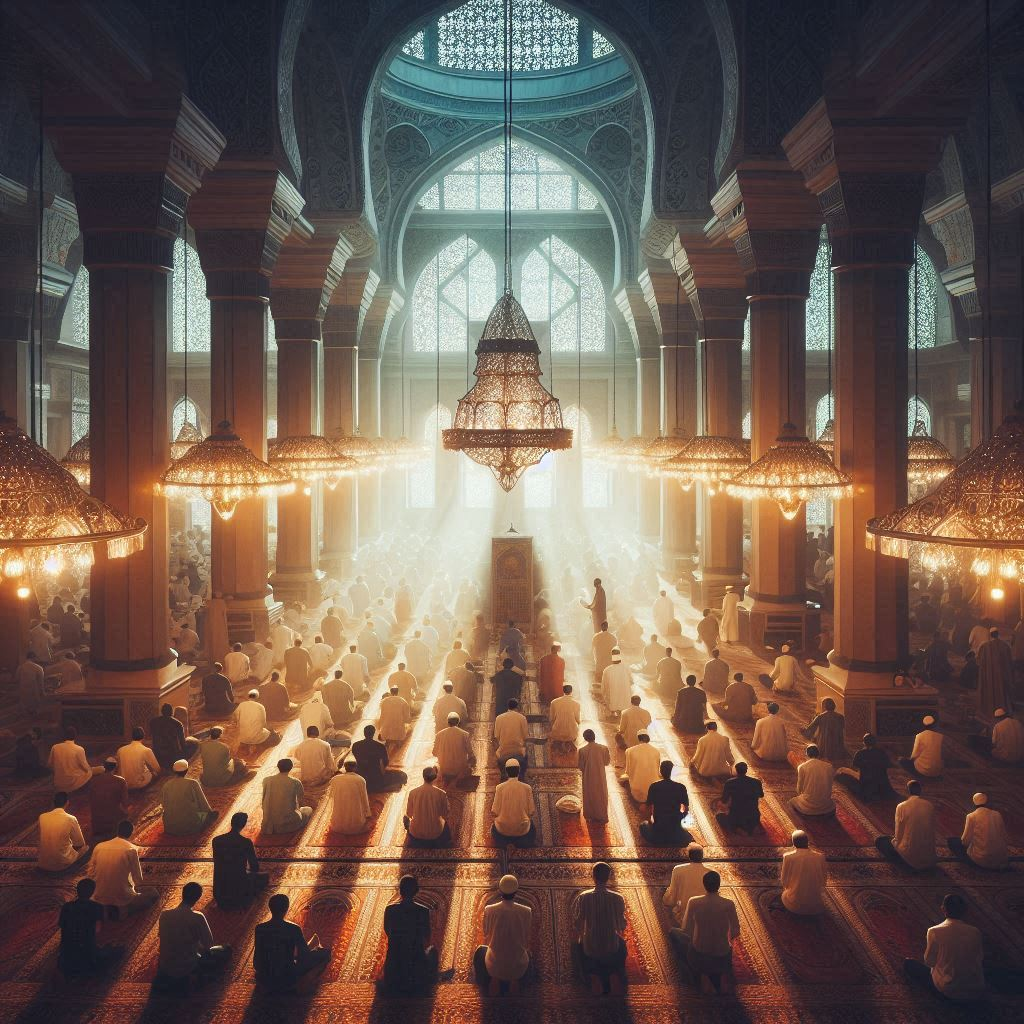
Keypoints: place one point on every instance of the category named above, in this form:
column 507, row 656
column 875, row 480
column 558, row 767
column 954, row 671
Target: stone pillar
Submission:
column 869, row 180
column 774, row 223
column 132, row 179
column 368, row 390
column 241, row 217
column 340, row 536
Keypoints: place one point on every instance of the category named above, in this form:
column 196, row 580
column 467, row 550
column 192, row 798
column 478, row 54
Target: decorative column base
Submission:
column 871, row 703
column 771, row 624
column 303, row 587
column 250, row 618
column 337, row 564
column 707, row 588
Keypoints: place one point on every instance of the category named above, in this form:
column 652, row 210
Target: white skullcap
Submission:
column 928, row 720
column 980, row 799
column 254, row 693
column 511, row 762
column 508, row 885
column 453, row 716
column 999, row 713
column 181, row 765
column 556, row 643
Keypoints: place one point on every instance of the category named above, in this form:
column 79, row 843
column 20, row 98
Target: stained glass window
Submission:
column 557, row 283
column 917, row 409
column 460, row 279
column 414, row 47
column 79, row 405
column 477, row 485
column 198, row 303
column 79, row 303
column 926, row 281
column 421, row 480
column 602, row 47
column 816, row 315
column 472, row 37
column 184, row 409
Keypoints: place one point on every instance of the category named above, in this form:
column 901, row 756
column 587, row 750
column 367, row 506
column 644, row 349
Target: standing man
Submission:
column 730, row 616
column 593, row 759
column 616, row 684
column 995, row 675
column 598, row 607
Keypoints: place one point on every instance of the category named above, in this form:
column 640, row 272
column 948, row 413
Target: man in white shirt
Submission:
column 321, row 655
column 136, row 763
column 769, row 742
column 712, row 757
column 40, row 641
column 984, row 842
column 406, row 684
column 709, row 927
column 803, row 877
column 418, row 657
column 456, row 657
column 316, row 765
column 510, row 733
column 453, row 748
column 315, row 712
column 426, row 814
column 513, row 809
column 395, row 719
column 356, row 670
column 1005, row 742
column 251, row 718
column 814, row 778
column 186, row 943
column 952, row 956
column 926, row 757
column 350, row 802
column 785, row 672
column 632, row 720
column 115, row 867
column 71, row 770
column 505, row 956
column 282, row 638
column 716, row 675
column 643, row 767
column 914, row 839
column 448, row 704
column 236, row 665
column 261, row 662
column 616, row 684
column 564, row 716
column 687, row 880
column 61, row 842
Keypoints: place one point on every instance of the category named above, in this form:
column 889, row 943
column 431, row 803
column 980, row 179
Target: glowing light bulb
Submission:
column 997, row 593
column 51, row 565
column 307, row 490
column 23, row 591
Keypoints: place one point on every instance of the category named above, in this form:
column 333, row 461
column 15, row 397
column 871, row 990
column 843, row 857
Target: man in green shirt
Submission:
column 186, row 809
column 219, row 767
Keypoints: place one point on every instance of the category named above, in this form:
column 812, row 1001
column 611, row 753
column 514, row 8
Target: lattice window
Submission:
column 461, row 279
column 926, row 291
column 271, row 334
column 477, row 485
column 79, row 303
column 746, row 333
column 271, row 427
column 198, row 303
column 79, row 405
column 421, row 480
column 747, row 425
column 415, row 46
column 184, row 409
column 821, row 414
column 601, row 47
column 561, row 287
column 199, row 515
column 816, row 316
column 917, row 409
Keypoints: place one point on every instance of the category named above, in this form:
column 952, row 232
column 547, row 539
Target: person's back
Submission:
column 233, row 855
column 277, row 946
column 78, row 920
column 742, row 793
column 803, row 881
column 168, row 739
column 711, row 922
column 954, row 953
column 275, row 700
column 407, row 927
column 915, row 832
column 507, row 927
column 602, row 914
column 183, row 933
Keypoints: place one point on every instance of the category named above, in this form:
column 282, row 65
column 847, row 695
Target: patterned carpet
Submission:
column 843, row 966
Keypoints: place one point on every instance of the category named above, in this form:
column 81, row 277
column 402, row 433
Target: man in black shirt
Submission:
column 282, row 957
column 410, row 967
column 218, row 696
column 869, row 777
column 741, row 794
column 79, row 919
column 236, row 871
column 168, row 739
column 372, row 763
column 508, row 684
column 669, row 803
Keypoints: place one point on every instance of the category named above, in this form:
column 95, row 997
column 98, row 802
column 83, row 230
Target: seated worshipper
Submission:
column 716, row 675
column 298, row 667
column 968, row 677
column 593, row 758
column 511, row 731
column 261, row 661
column 40, row 641
column 984, row 842
column 669, row 675
column 513, row 809
column 769, row 741
column 283, row 810
column 616, row 684
column 426, row 814
column 405, row 683
column 707, row 630
column 814, row 779
column 631, row 635
column 511, row 645
column 456, row 656
column 1005, row 742
column 643, row 766
column 315, row 712
column 80, row 918
column 236, row 871
column 340, row 700
column 332, row 629
column 108, row 800
column 600, row 923
column 236, row 665
column 827, row 731
column 914, row 841
column 187, row 645
column 410, row 966
column 869, row 776
column 350, row 802
column 369, row 646
column 653, row 653
column 431, row 637
column 785, row 672
column 467, row 680
column 403, row 601
column 276, row 701
column 418, row 657
column 564, row 716
column 453, row 748
column 219, row 767
column 26, row 755
column 356, row 670
column 186, row 809
column 114, row 866
column 712, row 756
column 740, row 797
column 395, row 718
column 551, row 674
column 508, row 683
column 67, row 760
column 316, row 763
column 321, row 655
column 30, row 682
column 282, row 956
column 926, row 757
column 601, row 647
column 137, row 762
column 218, row 696
column 71, row 628
column 687, row 880
column 168, row 738
column 691, row 708
column 61, row 842
column 740, row 698
column 632, row 720
column 448, row 704
column 372, row 763
column 803, row 877
column 703, row 941
column 505, row 956
column 187, row 948
column 669, row 803
column 69, row 670
column 937, row 668
column 251, row 719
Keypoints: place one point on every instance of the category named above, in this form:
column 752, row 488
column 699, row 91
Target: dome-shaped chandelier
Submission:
column 826, row 440
column 928, row 459
column 309, row 458
column 507, row 421
column 188, row 435
column 708, row 459
column 222, row 471
column 362, row 450
column 77, row 461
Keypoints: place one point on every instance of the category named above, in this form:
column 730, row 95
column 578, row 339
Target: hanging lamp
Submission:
column 308, row 458
column 826, row 440
column 507, row 421
column 77, row 461
column 794, row 469
column 188, row 433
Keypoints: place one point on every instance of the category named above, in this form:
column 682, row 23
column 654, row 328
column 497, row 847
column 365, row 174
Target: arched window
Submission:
column 198, row 303
column 459, row 283
column 560, row 286
column 184, row 409
column 421, row 480
column 924, row 270
column 822, row 414
column 79, row 303
column 917, row 409
column 79, row 405
column 816, row 316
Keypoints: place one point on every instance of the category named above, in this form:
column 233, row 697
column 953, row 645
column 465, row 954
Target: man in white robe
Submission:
column 995, row 675
column 926, row 756
column 663, row 612
column 633, row 719
column 61, row 842
column 406, row 682
column 315, row 712
column 984, row 842
column 814, row 779
column 448, row 704
column 914, row 840
column 236, row 665
column 1007, row 738
column 803, row 877
column 321, row 655
column 350, row 802
column 395, row 718
column 785, row 672
column 643, row 767
column 616, row 684
column 453, row 748
column 564, row 715
column 356, row 670
column 282, row 638
column 769, row 742
column 601, row 647
column 316, row 765
column 593, row 758
column 455, row 657
column 261, row 661
column 430, row 636
column 71, row 769
column 687, row 881
column 136, row 763
column 510, row 734
column 712, row 757
column 730, row 628
column 251, row 719
column 418, row 658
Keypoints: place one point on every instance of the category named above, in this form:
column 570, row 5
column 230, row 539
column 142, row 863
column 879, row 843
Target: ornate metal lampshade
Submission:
column 222, row 471
column 606, row 449
column 792, row 471
column 76, row 462
column 928, row 460
column 47, row 522
column 362, row 449
column 974, row 517
column 826, row 440
column 308, row 458
column 406, row 453
column 708, row 459
column 507, row 421
column 661, row 449
column 188, row 435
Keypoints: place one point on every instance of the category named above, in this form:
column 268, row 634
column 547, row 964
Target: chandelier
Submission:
column 792, row 471
column 222, row 471
column 308, row 458
column 661, row 449
column 188, row 435
column 709, row 459
column 507, row 421
column 77, row 460
column 928, row 460
column 362, row 450
column 826, row 440
column 47, row 522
